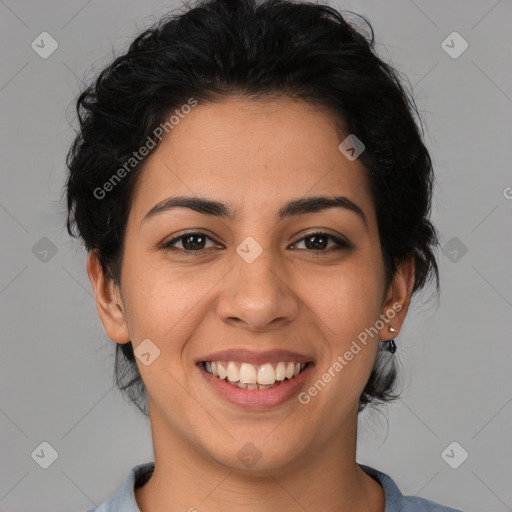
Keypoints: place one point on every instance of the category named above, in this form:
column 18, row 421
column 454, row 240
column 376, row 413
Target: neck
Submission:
column 325, row 479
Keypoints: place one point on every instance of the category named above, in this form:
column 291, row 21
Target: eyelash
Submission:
column 341, row 244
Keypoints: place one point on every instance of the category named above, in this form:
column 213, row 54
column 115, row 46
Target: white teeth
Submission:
column 247, row 373
column 290, row 368
column 280, row 371
column 222, row 372
column 249, row 376
column 233, row 373
column 266, row 374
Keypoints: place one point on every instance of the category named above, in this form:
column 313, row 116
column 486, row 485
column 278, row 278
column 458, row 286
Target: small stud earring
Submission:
column 391, row 343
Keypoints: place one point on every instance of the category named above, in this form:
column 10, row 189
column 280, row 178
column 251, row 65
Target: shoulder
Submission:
column 124, row 499
column 397, row 502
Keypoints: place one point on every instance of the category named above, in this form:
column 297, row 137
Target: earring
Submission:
column 391, row 343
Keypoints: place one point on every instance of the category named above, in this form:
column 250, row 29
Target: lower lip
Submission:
column 257, row 398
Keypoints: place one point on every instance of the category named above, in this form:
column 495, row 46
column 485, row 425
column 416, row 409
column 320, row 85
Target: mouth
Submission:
column 255, row 380
column 250, row 376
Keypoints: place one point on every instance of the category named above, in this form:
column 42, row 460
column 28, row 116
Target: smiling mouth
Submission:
column 250, row 376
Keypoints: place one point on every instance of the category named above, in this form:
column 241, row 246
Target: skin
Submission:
column 255, row 156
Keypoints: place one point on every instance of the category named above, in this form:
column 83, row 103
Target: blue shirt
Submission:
column 124, row 500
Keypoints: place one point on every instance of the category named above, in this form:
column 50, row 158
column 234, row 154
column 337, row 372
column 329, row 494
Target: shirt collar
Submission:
column 125, row 500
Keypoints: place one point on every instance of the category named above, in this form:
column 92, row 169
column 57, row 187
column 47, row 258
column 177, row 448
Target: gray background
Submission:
column 455, row 353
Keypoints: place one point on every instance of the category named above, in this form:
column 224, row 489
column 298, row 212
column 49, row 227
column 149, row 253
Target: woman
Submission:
column 254, row 194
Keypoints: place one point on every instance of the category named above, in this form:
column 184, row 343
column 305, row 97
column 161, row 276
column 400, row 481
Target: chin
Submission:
column 255, row 455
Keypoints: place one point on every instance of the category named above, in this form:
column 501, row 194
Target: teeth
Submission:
column 247, row 373
column 249, row 376
column 266, row 374
column 222, row 371
column 252, row 386
column 232, row 372
column 280, row 371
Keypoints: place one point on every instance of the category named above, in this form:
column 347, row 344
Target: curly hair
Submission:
column 219, row 48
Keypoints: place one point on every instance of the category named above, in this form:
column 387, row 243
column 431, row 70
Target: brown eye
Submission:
column 193, row 242
column 319, row 242
column 190, row 242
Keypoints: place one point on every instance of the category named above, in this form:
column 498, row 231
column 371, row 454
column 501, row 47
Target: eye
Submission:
column 190, row 242
column 319, row 242
column 196, row 242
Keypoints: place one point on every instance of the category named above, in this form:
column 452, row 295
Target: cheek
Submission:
column 165, row 307
column 161, row 300
column 347, row 300
column 347, row 305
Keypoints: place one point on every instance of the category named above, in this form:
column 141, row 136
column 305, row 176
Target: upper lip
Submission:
column 257, row 358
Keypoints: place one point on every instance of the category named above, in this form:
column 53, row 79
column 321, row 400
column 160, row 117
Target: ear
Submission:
column 108, row 301
column 397, row 299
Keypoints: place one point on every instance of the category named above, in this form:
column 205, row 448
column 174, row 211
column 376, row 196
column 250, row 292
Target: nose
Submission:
column 257, row 296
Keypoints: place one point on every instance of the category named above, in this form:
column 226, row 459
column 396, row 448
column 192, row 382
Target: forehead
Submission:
column 252, row 154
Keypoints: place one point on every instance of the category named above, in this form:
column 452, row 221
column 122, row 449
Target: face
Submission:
column 259, row 282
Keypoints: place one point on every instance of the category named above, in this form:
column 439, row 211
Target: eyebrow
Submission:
column 295, row 207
